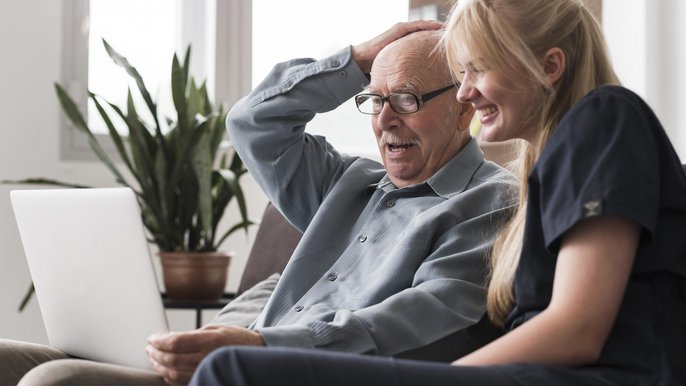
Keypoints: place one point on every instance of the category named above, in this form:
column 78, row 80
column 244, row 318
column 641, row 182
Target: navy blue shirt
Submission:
column 610, row 156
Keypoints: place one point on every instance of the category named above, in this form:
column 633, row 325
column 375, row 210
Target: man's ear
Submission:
column 465, row 114
column 554, row 63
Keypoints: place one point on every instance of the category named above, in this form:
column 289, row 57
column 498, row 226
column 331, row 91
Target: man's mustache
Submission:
column 388, row 138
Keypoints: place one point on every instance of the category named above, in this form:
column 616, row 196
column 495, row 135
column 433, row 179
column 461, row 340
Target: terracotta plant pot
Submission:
column 197, row 276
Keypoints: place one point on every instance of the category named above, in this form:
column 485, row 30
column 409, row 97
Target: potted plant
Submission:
column 182, row 180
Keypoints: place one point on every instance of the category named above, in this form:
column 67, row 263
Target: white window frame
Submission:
column 228, row 71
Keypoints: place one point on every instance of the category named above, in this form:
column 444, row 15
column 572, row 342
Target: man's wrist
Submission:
column 256, row 339
column 364, row 64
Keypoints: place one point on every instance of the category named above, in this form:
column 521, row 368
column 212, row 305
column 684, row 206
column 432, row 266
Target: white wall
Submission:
column 30, row 40
column 647, row 41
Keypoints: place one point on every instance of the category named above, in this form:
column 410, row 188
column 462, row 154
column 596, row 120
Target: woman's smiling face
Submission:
column 504, row 103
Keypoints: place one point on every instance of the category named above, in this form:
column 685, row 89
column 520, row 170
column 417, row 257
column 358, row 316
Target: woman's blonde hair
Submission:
column 511, row 36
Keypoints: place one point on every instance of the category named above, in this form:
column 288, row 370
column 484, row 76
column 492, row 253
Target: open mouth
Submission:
column 397, row 148
column 486, row 111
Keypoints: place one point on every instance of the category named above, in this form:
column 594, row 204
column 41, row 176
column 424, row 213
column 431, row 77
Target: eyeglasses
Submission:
column 401, row 102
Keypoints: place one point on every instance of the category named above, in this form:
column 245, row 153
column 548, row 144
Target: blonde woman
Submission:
column 589, row 278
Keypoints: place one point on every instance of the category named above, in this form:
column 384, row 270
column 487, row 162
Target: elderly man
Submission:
column 393, row 255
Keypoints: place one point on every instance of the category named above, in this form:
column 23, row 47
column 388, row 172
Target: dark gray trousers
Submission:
column 295, row 367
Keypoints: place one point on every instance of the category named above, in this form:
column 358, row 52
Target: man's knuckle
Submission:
column 173, row 343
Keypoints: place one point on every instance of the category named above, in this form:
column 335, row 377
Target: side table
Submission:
column 198, row 306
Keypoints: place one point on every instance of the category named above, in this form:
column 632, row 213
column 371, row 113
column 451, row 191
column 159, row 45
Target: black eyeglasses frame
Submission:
column 419, row 100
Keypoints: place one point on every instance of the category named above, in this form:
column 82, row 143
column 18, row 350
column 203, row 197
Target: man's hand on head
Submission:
column 175, row 355
column 365, row 53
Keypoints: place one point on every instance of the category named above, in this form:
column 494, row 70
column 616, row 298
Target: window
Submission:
column 148, row 41
column 283, row 30
column 251, row 35
column 148, row 33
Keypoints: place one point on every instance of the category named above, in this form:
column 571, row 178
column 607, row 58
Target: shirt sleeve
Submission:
column 601, row 160
column 267, row 128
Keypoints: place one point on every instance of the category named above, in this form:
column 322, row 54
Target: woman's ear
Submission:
column 554, row 63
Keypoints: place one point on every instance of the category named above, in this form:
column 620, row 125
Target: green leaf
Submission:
column 116, row 138
column 178, row 86
column 43, row 181
column 206, row 103
column 234, row 228
column 232, row 180
column 195, row 101
column 27, row 297
column 201, row 164
column 131, row 70
column 164, row 195
column 186, row 62
column 142, row 143
column 188, row 142
column 72, row 112
column 218, row 130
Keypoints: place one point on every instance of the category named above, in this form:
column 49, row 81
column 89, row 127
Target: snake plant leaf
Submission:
column 133, row 72
column 143, row 149
column 199, row 99
column 141, row 141
column 232, row 180
column 194, row 102
column 44, row 181
column 178, row 88
column 134, row 121
column 222, row 193
column 152, row 106
column 187, row 208
column 202, row 166
column 245, row 224
column 186, row 62
column 206, row 103
column 79, row 123
column 237, row 165
column 218, row 131
column 161, row 178
column 116, row 138
column 27, row 297
column 187, row 144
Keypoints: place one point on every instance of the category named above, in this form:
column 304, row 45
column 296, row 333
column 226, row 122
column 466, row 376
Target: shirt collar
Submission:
column 453, row 177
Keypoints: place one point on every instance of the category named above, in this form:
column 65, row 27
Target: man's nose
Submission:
column 386, row 117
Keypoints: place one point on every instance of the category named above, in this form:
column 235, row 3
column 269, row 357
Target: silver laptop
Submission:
column 91, row 267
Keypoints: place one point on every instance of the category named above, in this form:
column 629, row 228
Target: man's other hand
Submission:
column 175, row 355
